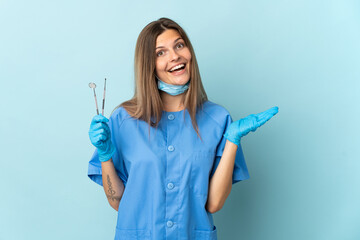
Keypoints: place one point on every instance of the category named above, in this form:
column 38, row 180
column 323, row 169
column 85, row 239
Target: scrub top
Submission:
column 166, row 174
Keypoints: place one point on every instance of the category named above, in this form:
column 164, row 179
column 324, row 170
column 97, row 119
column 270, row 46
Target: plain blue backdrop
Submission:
column 302, row 56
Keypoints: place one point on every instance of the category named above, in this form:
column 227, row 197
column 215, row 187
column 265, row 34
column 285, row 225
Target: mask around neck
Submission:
column 172, row 89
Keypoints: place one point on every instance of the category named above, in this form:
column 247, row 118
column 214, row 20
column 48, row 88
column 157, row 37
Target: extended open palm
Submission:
column 240, row 128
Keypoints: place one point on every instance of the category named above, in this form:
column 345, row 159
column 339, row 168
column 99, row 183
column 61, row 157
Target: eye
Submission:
column 159, row 53
column 180, row 45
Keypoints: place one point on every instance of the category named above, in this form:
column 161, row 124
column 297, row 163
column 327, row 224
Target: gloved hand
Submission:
column 100, row 137
column 243, row 126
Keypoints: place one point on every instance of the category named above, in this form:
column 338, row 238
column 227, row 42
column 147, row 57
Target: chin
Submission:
column 179, row 81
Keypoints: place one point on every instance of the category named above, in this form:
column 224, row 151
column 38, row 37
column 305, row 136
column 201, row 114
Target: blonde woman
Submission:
column 167, row 158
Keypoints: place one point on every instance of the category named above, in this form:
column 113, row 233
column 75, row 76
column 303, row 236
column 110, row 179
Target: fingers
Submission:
column 250, row 123
column 99, row 118
column 263, row 117
column 98, row 122
column 270, row 112
column 99, row 137
column 99, row 131
column 98, row 126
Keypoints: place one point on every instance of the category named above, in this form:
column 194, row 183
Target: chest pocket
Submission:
column 205, row 235
column 201, row 165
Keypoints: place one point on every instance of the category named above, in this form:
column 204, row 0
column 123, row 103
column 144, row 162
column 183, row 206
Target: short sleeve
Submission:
column 240, row 169
column 94, row 167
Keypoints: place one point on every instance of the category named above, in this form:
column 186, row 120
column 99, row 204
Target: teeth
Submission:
column 177, row 67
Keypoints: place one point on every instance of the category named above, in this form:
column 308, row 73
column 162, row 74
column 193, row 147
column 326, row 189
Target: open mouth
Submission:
column 178, row 68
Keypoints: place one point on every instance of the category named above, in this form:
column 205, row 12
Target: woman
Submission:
column 163, row 175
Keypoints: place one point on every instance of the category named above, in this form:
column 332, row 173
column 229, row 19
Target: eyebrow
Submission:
column 174, row 42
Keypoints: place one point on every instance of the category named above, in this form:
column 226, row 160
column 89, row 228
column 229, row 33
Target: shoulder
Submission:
column 214, row 108
column 219, row 114
column 119, row 115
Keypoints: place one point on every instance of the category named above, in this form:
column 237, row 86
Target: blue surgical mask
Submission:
column 172, row 89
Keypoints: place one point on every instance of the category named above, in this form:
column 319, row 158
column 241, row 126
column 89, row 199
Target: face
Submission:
column 172, row 58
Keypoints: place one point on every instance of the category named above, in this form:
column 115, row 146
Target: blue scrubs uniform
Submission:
column 166, row 174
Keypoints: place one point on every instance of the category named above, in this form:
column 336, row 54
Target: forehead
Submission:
column 167, row 37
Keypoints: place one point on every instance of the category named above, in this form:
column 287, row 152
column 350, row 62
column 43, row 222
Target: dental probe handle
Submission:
column 103, row 103
column 97, row 109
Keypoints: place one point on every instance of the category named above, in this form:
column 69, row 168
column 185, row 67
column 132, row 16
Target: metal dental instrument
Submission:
column 93, row 86
column 104, row 98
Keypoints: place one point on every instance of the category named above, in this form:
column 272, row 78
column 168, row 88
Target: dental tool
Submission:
column 103, row 104
column 93, row 86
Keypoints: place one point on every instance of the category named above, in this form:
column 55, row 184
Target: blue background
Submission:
column 302, row 56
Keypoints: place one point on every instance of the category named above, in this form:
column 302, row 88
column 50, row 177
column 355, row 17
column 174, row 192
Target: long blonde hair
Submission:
column 146, row 102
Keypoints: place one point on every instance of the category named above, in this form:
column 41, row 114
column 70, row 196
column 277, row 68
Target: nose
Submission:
column 174, row 56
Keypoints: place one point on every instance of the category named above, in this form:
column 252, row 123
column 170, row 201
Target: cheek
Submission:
column 160, row 66
column 188, row 55
column 189, row 60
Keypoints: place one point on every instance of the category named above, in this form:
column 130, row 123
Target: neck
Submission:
column 172, row 103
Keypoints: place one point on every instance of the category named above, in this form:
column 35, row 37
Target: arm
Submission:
column 113, row 186
column 221, row 181
column 100, row 137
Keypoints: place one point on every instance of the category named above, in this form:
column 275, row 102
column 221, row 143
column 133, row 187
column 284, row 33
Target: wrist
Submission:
column 233, row 139
column 231, row 145
column 106, row 155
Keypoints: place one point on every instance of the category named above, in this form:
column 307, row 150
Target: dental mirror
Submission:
column 93, row 86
